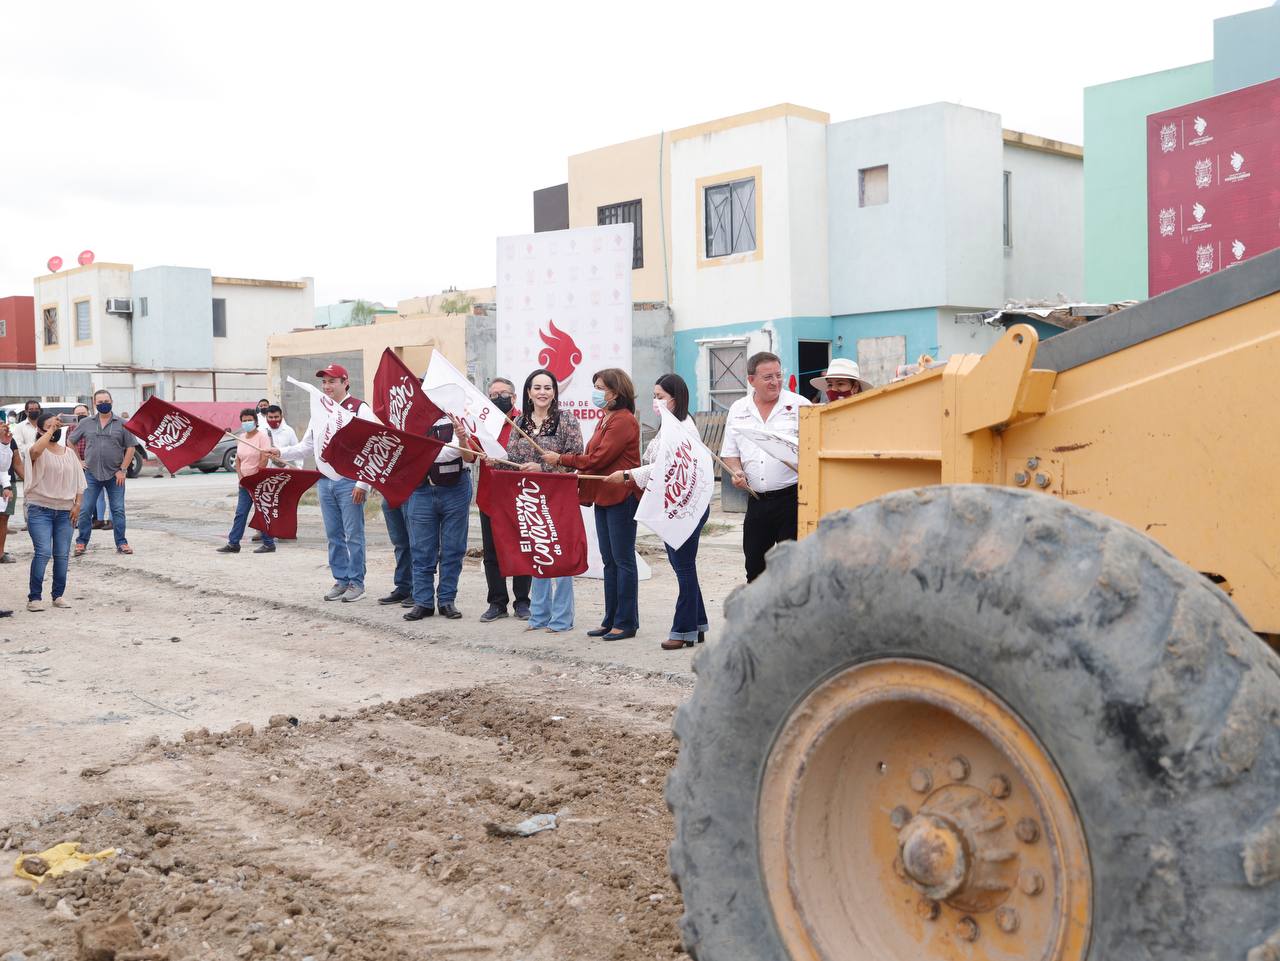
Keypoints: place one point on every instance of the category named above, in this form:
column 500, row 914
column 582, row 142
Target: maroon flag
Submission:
column 387, row 459
column 398, row 398
column 178, row 438
column 275, row 494
column 537, row 523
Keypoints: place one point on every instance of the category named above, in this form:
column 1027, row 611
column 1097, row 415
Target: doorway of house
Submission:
column 813, row 358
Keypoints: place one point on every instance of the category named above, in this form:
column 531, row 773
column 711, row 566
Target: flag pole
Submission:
column 727, row 467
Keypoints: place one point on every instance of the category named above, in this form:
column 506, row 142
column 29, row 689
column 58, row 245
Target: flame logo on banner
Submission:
column 561, row 356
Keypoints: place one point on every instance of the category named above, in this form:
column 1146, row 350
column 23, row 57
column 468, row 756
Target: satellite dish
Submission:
column 55, row 264
column 85, row 258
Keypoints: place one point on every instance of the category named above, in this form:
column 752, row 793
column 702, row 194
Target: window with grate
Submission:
column 219, row 317
column 50, row 315
column 628, row 213
column 728, row 370
column 730, row 217
column 148, row 391
column 83, row 330
column 4, row 327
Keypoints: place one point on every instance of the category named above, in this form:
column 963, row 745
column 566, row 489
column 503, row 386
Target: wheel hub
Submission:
column 932, row 853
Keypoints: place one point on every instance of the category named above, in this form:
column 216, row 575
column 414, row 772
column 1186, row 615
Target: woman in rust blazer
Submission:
column 614, row 446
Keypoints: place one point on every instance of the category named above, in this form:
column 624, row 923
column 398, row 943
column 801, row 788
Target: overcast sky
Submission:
column 381, row 147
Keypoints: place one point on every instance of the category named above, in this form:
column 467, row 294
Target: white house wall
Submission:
column 109, row 341
column 254, row 313
column 807, row 163
column 1047, row 255
column 975, row 239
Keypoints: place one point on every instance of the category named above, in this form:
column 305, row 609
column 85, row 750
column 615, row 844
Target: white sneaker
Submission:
column 354, row 593
column 60, row 602
column 336, row 592
column 35, row 605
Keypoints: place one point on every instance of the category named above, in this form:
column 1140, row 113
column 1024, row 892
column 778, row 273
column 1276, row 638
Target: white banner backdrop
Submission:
column 564, row 303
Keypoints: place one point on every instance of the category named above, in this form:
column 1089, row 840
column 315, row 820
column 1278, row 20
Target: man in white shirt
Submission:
column 282, row 435
column 341, row 499
column 772, row 514
column 24, row 431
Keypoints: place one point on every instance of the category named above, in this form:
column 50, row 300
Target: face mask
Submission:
column 248, row 425
column 32, row 416
column 659, row 406
column 503, row 402
column 104, row 408
column 837, row 395
column 598, row 399
column 56, row 436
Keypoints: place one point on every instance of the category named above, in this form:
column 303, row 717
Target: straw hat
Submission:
column 841, row 368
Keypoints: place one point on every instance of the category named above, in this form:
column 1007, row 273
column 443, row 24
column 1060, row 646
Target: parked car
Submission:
column 223, row 456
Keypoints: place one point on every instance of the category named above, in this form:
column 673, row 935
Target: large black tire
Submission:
column 1143, row 682
column 135, row 465
column 229, row 460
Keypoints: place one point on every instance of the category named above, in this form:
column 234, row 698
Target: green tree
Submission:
column 457, row 304
column 361, row 314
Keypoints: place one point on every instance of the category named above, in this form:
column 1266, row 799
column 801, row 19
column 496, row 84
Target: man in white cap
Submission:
column 341, row 499
column 842, row 379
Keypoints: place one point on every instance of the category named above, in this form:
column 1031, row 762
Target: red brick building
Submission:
column 17, row 332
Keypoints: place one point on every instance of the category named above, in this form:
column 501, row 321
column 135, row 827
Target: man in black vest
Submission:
column 437, row 516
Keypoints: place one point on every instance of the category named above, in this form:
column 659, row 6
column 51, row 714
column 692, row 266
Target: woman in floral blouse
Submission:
column 551, row 598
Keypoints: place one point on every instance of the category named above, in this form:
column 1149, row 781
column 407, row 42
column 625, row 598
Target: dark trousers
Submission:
column 493, row 577
column 770, row 520
column 691, row 613
column 616, row 532
column 398, row 534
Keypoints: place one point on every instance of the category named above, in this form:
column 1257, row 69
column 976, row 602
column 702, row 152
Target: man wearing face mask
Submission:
column 107, row 456
column 250, row 458
column 24, row 431
column 502, row 393
column 842, row 379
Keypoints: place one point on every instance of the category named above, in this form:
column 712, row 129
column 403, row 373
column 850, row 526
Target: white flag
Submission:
column 327, row 417
column 680, row 483
column 454, row 394
column 781, row 447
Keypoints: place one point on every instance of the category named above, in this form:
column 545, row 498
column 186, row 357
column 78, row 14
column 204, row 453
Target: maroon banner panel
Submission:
column 178, row 438
column 388, row 460
column 537, row 523
column 275, row 494
column 398, row 397
column 1213, row 185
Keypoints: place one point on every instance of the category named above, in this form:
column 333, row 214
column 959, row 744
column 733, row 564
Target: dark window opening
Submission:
column 730, row 217
column 628, row 213
column 219, row 317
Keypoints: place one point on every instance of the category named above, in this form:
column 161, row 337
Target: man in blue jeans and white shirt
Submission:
column 107, row 455
column 341, row 499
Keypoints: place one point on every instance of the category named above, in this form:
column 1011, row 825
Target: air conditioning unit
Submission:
column 120, row 305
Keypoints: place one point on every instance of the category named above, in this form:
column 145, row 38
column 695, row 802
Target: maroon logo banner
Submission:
column 398, row 397
column 176, row 437
column 388, row 460
column 275, row 494
column 537, row 523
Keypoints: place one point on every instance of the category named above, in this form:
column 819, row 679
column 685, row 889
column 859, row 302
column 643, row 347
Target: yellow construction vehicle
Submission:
column 1007, row 698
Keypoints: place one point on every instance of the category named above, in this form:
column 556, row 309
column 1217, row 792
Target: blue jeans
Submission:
column 616, row 532
column 437, row 520
column 100, row 507
column 115, row 497
column 551, row 603
column 691, row 615
column 50, row 532
column 398, row 532
column 344, row 529
column 244, row 503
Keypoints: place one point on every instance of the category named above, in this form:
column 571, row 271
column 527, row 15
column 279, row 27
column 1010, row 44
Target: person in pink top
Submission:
column 251, row 457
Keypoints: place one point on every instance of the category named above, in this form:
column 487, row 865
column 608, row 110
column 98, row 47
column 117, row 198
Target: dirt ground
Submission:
column 360, row 815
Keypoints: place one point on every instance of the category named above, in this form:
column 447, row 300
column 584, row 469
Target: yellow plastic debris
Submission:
column 61, row 859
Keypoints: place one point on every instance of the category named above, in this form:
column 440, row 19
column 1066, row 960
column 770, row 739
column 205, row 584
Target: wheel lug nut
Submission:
column 927, row 909
column 999, row 786
column 1027, row 831
column 967, row 929
column 1007, row 919
column 921, row 781
column 899, row 816
column 958, row 769
column 1031, row 883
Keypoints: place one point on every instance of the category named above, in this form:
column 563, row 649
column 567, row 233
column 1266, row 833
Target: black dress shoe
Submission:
column 449, row 611
column 229, row 549
column 599, row 632
column 395, row 597
column 702, row 636
column 620, row 636
column 419, row 612
column 495, row 612
column 408, row 602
